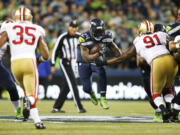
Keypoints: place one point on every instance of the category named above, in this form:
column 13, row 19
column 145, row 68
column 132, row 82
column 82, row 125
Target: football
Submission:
column 94, row 49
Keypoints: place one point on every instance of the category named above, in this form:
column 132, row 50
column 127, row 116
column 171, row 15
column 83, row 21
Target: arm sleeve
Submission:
column 55, row 50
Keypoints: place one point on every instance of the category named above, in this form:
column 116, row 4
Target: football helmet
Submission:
column 145, row 27
column 23, row 14
column 159, row 27
column 97, row 28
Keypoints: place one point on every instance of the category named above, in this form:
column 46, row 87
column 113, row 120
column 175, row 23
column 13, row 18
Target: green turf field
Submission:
column 117, row 108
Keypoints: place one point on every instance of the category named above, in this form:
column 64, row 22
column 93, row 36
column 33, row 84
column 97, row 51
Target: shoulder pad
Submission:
column 107, row 37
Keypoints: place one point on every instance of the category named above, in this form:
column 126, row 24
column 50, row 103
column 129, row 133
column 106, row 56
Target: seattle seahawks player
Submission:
column 173, row 31
column 96, row 35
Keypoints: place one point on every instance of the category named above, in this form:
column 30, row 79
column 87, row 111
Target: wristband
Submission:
column 177, row 46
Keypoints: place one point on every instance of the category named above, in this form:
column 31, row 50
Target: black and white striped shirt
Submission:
column 65, row 47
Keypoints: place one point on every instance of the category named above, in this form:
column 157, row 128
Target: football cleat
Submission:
column 40, row 125
column 26, row 108
column 175, row 116
column 82, row 110
column 19, row 115
column 157, row 117
column 93, row 99
column 55, row 110
column 165, row 114
column 103, row 103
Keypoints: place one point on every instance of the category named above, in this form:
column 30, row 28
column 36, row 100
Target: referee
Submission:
column 66, row 48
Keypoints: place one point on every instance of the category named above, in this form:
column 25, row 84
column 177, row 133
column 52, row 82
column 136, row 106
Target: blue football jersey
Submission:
column 87, row 40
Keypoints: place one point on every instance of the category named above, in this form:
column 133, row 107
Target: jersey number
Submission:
column 21, row 37
column 150, row 41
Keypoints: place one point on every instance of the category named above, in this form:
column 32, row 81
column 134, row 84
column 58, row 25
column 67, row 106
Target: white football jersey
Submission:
column 23, row 38
column 150, row 46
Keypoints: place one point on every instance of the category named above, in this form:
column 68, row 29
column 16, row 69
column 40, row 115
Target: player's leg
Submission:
column 7, row 82
column 61, row 98
column 169, row 95
column 146, row 83
column 85, row 73
column 158, row 81
column 102, row 85
column 31, row 85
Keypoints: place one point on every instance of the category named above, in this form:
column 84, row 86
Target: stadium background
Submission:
column 121, row 17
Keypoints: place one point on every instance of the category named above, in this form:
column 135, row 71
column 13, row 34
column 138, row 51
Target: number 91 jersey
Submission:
column 150, row 46
column 23, row 38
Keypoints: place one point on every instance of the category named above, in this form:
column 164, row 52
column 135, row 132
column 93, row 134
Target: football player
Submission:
column 152, row 47
column 7, row 82
column 145, row 73
column 24, row 37
column 173, row 31
column 97, row 35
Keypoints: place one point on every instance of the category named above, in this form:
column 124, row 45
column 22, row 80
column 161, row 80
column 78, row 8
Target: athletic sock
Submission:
column 34, row 114
column 16, row 105
column 31, row 99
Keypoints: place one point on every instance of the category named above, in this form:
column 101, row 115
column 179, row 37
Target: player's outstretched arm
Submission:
column 86, row 56
column 114, row 48
column 130, row 52
column 3, row 38
column 43, row 50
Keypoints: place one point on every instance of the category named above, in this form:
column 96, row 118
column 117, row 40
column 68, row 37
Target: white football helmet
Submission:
column 23, row 14
column 145, row 27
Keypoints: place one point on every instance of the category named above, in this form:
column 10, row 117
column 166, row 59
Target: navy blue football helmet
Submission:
column 97, row 28
column 159, row 27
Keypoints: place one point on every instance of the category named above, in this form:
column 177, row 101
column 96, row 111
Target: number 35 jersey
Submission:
column 23, row 38
column 150, row 46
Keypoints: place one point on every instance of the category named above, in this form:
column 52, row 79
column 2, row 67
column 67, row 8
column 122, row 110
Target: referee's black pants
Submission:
column 69, row 85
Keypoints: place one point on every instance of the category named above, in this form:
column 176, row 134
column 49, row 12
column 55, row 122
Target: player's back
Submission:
column 23, row 38
column 150, row 46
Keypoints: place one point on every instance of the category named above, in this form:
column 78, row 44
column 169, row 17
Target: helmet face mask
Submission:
column 23, row 14
column 159, row 27
column 97, row 29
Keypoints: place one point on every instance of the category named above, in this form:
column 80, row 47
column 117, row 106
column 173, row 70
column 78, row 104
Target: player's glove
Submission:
column 100, row 61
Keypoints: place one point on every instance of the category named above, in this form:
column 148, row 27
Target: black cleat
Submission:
column 55, row 110
column 40, row 125
column 82, row 110
column 166, row 114
column 26, row 108
column 174, row 118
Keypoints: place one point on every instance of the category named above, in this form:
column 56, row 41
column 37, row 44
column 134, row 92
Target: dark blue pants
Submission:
column 146, row 83
column 85, row 73
column 7, row 82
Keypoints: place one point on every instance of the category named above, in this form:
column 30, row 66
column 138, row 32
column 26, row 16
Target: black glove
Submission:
column 100, row 61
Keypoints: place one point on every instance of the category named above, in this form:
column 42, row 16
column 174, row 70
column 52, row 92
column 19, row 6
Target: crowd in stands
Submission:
column 121, row 17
